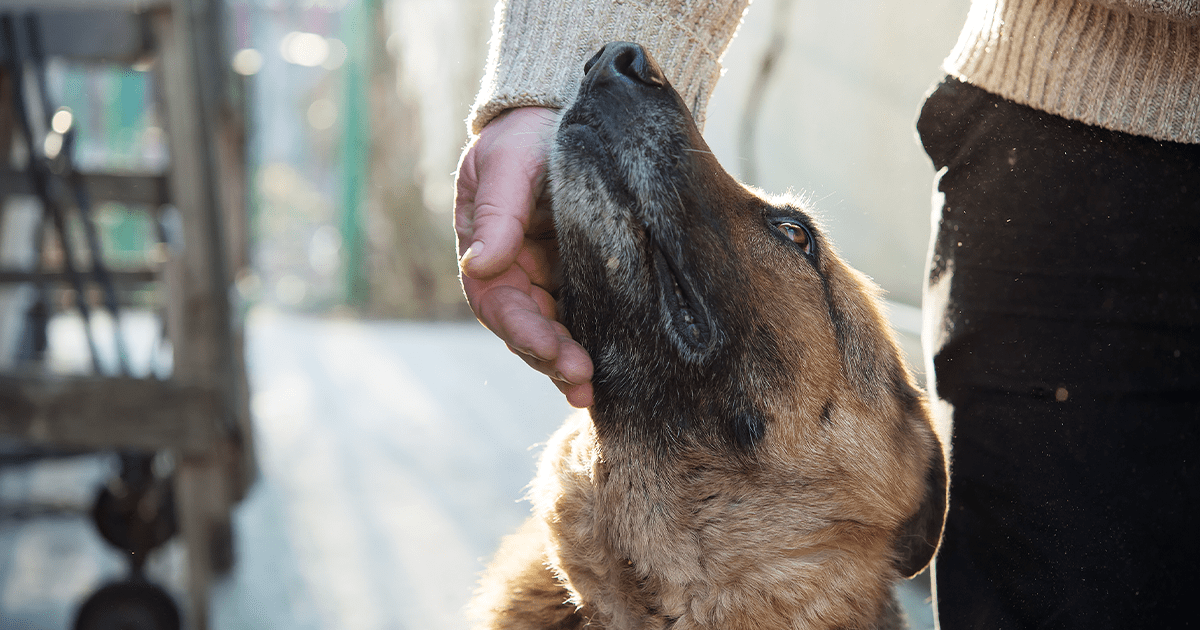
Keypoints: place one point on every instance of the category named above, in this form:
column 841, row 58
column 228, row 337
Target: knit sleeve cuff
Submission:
column 538, row 49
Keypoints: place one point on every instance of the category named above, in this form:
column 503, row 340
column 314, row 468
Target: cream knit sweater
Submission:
column 538, row 48
column 1127, row 65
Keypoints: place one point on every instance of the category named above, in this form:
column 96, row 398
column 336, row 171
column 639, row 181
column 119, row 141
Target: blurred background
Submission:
column 374, row 440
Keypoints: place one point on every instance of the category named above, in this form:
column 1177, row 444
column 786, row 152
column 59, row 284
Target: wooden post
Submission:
column 204, row 334
column 357, row 28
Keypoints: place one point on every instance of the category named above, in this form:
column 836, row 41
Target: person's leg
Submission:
column 1064, row 282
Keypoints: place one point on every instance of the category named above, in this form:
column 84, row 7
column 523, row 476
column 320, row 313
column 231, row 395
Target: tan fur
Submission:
column 807, row 528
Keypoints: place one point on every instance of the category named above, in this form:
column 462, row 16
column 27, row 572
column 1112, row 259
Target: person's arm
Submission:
column 535, row 65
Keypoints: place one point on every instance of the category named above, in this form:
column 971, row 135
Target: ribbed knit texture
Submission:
column 1124, row 65
column 538, row 48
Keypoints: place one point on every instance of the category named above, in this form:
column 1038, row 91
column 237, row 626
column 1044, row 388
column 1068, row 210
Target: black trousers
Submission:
column 1064, row 292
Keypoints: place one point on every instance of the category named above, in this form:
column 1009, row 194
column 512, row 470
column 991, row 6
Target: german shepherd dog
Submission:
column 757, row 455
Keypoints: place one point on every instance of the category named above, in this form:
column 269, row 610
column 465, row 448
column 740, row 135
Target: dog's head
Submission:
column 721, row 318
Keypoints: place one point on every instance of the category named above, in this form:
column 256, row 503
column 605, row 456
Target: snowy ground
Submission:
column 393, row 457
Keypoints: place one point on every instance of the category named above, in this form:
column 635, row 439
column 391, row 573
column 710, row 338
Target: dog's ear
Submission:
column 921, row 534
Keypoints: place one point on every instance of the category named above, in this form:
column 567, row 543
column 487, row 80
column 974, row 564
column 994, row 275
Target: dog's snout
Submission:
column 623, row 59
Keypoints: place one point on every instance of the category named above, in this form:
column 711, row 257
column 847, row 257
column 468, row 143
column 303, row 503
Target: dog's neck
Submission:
column 663, row 409
column 651, row 539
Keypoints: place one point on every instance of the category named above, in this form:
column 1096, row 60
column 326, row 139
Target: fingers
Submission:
column 501, row 177
column 506, row 246
column 579, row 396
column 571, row 371
column 539, row 261
column 494, row 242
column 572, row 365
column 524, row 320
column 516, row 317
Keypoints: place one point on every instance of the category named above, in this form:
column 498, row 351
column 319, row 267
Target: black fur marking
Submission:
column 835, row 315
column 826, row 414
column 858, row 365
column 749, row 430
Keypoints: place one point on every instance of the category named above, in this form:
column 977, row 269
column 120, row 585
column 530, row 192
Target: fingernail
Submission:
column 470, row 254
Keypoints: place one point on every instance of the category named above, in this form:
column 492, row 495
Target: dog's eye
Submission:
column 796, row 233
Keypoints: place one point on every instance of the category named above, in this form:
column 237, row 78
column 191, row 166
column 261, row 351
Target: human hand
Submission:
column 506, row 247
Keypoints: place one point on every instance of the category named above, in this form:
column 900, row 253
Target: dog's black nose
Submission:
column 623, row 59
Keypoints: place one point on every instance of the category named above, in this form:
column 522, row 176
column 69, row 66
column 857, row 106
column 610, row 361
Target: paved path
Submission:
column 393, row 456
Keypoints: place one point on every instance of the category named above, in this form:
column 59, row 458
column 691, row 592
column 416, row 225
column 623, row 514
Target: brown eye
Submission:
column 797, row 234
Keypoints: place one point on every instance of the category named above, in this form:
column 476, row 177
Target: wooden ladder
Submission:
column 200, row 412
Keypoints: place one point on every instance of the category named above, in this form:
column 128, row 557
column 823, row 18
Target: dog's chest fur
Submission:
column 696, row 544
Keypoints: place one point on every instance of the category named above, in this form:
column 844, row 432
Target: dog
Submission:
column 757, row 455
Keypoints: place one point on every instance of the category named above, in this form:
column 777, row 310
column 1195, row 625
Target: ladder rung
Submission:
column 121, row 277
column 88, row 30
column 140, row 189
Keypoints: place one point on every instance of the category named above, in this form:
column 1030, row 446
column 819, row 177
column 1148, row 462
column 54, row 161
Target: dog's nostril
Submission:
column 628, row 60
column 624, row 62
column 587, row 67
column 632, row 62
